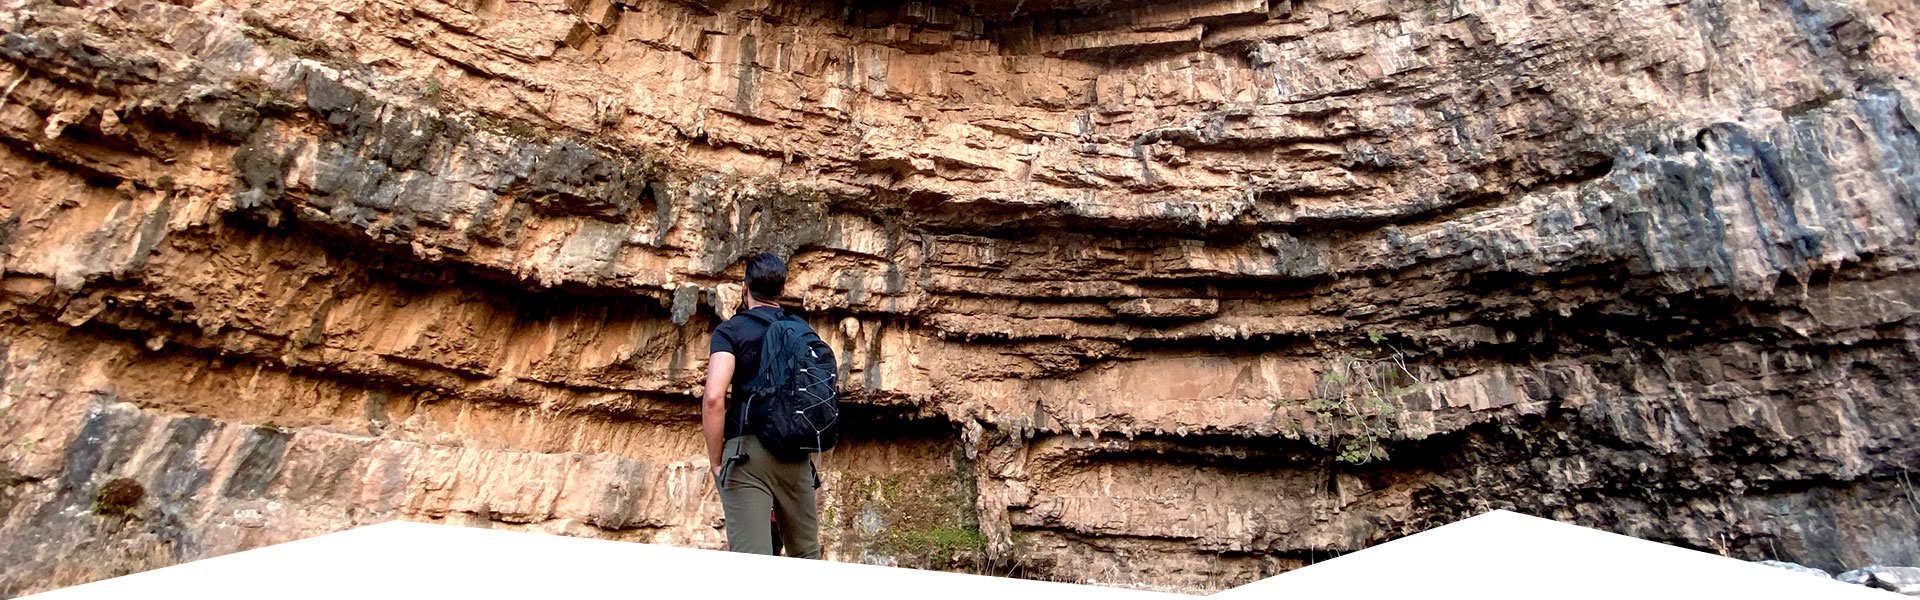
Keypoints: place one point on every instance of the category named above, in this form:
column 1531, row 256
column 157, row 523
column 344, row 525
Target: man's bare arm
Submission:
column 713, row 404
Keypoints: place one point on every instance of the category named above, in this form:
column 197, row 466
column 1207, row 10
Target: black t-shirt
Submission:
column 741, row 335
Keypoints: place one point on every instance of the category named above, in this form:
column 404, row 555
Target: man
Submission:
column 753, row 482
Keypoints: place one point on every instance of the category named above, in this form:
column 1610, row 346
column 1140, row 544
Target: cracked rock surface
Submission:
column 1104, row 274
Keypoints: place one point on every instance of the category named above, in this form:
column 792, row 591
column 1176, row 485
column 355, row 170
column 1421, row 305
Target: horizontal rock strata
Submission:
column 1178, row 294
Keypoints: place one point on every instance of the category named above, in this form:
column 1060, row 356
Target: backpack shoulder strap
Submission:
column 773, row 352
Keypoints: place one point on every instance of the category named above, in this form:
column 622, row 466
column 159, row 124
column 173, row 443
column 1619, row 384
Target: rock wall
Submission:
column 1178, row 294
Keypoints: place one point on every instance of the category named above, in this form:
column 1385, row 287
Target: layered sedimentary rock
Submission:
column 1178, row 294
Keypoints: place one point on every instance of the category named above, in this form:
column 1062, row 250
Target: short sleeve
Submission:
column 722, row 340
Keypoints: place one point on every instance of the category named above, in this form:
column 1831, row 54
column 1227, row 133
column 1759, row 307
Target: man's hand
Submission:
column 713, row 406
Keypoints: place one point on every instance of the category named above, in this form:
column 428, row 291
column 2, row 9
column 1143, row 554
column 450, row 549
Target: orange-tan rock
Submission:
column 1179, row 294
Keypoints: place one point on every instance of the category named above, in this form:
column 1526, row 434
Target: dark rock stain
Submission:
column 261, row 456
column 106, row 437
column 177, row 473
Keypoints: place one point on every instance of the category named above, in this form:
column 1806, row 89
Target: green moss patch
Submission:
column 921, row 520
column 941, row 545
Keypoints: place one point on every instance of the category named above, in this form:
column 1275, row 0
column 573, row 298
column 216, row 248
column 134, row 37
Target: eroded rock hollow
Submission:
column 1179, row 293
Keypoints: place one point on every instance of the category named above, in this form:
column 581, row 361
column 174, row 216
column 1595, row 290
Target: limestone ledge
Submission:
column 1086, row 260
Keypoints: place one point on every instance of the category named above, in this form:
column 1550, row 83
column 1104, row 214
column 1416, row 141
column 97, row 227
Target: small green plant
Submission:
column 118, row 497
column 1353, row 403
column 1912, row 503
column 890, row 488
column 940, row 545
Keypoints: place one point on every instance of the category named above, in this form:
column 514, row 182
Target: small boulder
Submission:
column 1900, row 580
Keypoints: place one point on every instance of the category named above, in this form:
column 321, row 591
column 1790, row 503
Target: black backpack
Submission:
column 796, row 391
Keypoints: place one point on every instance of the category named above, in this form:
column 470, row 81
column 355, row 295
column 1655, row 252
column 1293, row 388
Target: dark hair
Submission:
column 766, row 276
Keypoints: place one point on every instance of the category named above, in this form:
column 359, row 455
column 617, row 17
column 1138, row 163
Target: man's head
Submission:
column 766, row 276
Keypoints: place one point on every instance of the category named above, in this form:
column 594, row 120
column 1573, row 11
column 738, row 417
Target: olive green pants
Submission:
column 763, row 485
